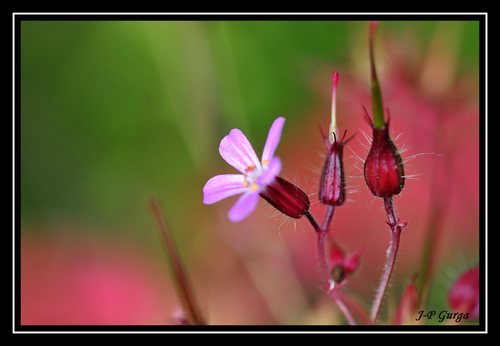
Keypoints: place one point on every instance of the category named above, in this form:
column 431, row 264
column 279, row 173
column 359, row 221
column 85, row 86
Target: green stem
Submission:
column 376, row 92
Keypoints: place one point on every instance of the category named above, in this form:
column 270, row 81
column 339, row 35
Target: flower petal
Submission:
column 237, row 151
column 244, row 206
column 223, row 186
column 273, row 169
column 273, row 139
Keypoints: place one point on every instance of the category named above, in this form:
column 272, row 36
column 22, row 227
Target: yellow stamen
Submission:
column 254, row 187
column 250, row 168
column 265, row 162
column 245, row 183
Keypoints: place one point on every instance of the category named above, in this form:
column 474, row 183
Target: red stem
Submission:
column 179, row 277
column 396, row 228
column 321, row 232
column 343, row 308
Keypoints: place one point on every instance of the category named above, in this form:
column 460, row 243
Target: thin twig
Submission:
column 179, row 277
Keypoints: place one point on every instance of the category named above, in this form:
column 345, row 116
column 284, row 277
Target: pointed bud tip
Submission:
column 335, row 78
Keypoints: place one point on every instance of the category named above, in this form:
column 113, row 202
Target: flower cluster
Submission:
column 384, row 176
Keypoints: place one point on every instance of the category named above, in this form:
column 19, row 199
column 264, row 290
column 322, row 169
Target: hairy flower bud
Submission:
column 383, row 171
column 286, row 197
column 332, row 182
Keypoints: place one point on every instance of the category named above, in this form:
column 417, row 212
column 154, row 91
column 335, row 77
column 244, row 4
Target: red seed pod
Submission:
column 332, row 182
column 286, row 197
column 383, row 171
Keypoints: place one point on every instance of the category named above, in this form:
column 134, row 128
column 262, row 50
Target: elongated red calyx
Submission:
column 286, row 197
column 332, row 182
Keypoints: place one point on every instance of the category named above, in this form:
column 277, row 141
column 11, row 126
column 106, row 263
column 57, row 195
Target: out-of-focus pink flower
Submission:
column 90, row 282
column 408, row 305
column 464, row 293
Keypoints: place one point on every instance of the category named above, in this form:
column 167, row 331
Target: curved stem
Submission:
column 343, row 308
column 385, row 277
column 320, row 245
column 321, row 256
column 321, row 232
column 328, row 218
column 396, row 228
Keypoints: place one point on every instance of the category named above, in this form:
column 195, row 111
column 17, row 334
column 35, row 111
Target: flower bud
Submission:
column 464, row 294
column 383, row 171
column 408, row 305
column 342, row 265
column 332, row 182
column 286, row 197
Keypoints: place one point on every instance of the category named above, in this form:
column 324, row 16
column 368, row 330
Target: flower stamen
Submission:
column 250, row 168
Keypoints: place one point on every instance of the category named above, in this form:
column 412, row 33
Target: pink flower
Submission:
column 258, row 178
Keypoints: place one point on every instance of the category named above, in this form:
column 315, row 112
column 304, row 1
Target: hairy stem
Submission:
column 343, row 308
column 320, row 245
column 396, row 228
column 321, row 232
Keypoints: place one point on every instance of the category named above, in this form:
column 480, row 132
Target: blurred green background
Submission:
column 113, row 112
